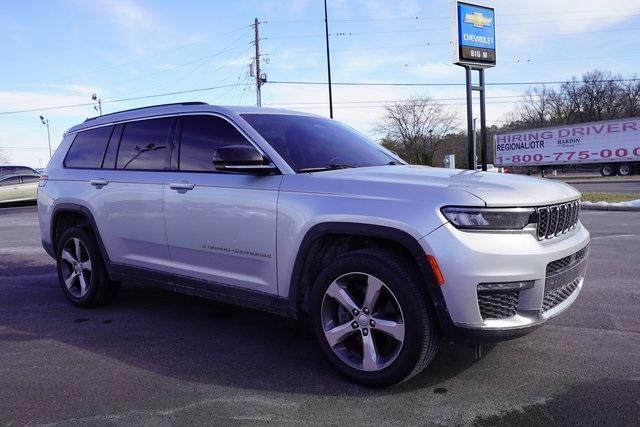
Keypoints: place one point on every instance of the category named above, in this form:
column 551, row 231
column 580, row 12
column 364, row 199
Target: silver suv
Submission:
column 302, row 216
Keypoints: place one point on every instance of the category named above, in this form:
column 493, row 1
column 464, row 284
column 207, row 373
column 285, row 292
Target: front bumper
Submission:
column 467, row 259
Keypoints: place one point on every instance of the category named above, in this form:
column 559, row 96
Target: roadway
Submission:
column 607, row 187
column 156, row 358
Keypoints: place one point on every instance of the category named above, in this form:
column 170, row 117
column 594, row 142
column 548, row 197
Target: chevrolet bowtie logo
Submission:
column 477, row 19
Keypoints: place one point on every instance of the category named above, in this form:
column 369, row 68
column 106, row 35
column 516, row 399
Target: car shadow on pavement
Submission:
column 191, row 339
column 18, row 204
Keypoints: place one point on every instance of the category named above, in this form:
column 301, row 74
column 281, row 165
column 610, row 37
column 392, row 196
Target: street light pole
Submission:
column 94, row 97
column 326, row 35
column 46, row 123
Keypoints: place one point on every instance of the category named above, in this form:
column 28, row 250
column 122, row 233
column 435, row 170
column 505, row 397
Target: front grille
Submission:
column 555, row 297
column 566, row 262
column 563, row 278
column 555, row 220
column 498, row 305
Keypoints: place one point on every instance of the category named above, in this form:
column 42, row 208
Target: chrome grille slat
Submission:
column 558, row 219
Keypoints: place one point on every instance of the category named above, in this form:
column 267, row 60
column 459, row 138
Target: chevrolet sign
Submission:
column 473, row 31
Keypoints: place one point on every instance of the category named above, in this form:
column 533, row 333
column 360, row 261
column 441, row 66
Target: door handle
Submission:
column 183, row 185
column 99, row 182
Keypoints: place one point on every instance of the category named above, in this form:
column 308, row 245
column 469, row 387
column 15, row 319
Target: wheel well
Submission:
column 65, row 219
column 326, row 248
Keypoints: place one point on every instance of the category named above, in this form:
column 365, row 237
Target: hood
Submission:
column 495, row 189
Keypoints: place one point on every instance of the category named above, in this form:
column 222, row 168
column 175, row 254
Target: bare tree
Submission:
column 598, row 95
column 415, row 128
column 536, row 108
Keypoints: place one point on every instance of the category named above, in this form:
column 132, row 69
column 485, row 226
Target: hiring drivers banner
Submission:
column 595, row 142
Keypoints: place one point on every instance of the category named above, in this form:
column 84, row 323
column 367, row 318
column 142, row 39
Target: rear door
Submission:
column 133, row 207
column 221, row 227
column 10, row 189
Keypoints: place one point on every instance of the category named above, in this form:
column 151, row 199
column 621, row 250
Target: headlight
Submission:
column 489, row 218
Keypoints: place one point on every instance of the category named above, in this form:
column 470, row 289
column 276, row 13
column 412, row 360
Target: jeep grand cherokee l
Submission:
column 302, row 216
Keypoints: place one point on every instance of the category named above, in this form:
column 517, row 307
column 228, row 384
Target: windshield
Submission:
column 310, row 144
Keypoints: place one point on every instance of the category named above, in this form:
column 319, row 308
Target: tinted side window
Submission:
column 146, row 145
column 24, row 170
column 11, row 181
column 200, row 136
column 88, row 148
column 30, row 179
column 7, row 170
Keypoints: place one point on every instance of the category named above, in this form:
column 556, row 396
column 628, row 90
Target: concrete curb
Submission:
column 610, row 208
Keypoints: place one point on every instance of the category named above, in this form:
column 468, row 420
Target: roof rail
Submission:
column 149, row 106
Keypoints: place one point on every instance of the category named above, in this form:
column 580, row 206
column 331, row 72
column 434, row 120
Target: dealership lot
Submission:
column 158, row 358
column 608, row 187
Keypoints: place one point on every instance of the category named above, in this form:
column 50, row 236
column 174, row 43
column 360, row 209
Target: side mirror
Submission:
column 241, row 159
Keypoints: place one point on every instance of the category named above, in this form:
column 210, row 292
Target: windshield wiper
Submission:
column 393, row 162
column 325, row 168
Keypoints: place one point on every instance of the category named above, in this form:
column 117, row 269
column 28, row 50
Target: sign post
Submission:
column 474, row 47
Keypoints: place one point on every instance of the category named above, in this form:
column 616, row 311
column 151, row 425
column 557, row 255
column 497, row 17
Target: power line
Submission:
column 452, row 104
column 204, row 89
column 530, row 83
column 108, row 101
column 129, row 62
column 417, row 18
column 374, row 101
column 443, row 43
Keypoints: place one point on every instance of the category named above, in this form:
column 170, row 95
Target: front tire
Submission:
column 371, row 316
column 81, row 272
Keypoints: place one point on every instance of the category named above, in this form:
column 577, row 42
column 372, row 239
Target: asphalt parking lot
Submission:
column 155, row 358
column 607, row 187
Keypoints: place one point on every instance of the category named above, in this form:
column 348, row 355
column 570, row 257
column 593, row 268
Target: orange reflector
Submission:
column 436, row 269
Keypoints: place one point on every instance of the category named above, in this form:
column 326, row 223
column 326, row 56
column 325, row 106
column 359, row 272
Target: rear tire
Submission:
column 607, row 170
column 81, row 271
column 384, row 344
column 625, row 169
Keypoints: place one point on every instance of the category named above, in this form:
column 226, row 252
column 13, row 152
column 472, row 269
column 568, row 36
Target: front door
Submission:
column 221, row 227
column 29, row 187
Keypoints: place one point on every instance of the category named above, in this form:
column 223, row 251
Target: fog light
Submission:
column 505, row 286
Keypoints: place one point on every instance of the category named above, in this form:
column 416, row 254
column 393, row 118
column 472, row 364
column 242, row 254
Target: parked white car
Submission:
column 302, row 216
column 18, row 188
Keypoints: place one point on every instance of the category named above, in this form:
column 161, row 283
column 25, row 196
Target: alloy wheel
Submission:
column 76, row 267
column 362, row 321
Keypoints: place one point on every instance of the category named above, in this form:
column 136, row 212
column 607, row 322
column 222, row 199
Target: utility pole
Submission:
column 326, row 36
column 46, row 123
column 256, row 23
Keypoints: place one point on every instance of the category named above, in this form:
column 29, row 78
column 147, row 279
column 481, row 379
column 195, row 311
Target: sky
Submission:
column 60, row 52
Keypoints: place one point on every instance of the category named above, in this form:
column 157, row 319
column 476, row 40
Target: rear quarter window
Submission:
column 87, row 149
